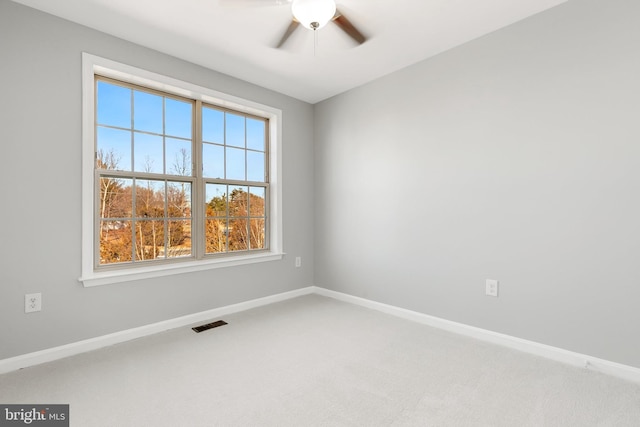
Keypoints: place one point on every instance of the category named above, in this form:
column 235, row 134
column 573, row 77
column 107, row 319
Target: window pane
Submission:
column 234, row 130
column 179, row 239
column 115, row 242
column 215, row 236
column 216, row 200
column 115, row 198
column 212, row 161
column 114, row 149
column 147, row 152
column 255, row 166
column 212, row 125
column 256, row 233
column 178, row 155
column 113, row 105
column 149, row 199
column 255, row 134
column 238, row 235
column 179, row 199
column 238, row 201
column 147, row 112
column 178, row 118
column 235, row 164
column 257, row 201
column 149, row 242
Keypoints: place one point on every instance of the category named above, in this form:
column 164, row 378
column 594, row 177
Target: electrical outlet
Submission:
column 32, row 302
column 491, row 288
column 298, row 261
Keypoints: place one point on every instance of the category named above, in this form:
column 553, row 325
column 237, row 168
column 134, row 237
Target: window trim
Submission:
column 92, row 65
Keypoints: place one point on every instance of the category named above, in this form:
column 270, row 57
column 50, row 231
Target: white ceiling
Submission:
column 236, row 37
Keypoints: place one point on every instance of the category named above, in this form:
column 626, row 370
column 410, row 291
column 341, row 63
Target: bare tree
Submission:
column 182, row 163
column 108, row 186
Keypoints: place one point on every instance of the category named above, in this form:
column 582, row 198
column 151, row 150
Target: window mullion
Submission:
column 198, row 202
column 167, row 236
column 134, row 186
column 165, row 222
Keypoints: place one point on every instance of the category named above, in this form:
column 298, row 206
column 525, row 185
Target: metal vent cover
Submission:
column 211, row 325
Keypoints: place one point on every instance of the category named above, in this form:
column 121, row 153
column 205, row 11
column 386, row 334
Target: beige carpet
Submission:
column 314, row 361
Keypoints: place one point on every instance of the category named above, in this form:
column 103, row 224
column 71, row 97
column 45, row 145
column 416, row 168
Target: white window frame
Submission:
column 92, row 65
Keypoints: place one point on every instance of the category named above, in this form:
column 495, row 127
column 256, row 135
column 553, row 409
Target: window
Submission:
column 182, row 177
column 144, row 171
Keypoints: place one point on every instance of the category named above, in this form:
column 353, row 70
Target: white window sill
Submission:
column 138, row 273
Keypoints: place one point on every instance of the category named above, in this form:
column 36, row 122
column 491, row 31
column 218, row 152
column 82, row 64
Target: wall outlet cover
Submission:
column 491, row 287
column 32, row 302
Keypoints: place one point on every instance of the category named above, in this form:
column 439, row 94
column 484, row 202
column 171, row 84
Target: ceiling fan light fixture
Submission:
column 313, row 14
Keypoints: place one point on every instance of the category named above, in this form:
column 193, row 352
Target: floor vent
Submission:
column 209, row 326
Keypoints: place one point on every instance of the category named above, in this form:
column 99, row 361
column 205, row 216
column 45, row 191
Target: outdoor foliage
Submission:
column 151, row 219
column 235, row 222
column 159, row 226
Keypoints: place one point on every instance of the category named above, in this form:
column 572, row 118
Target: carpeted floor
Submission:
column 314, row 361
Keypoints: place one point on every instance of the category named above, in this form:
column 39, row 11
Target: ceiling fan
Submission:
column 311, row 14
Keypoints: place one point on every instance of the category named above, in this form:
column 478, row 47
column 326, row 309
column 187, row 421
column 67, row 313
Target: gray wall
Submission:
column 514, row 157
column 40, row 178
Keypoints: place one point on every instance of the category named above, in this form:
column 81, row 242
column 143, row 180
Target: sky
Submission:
column 152, row 133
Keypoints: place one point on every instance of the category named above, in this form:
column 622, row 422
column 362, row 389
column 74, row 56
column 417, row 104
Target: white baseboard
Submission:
column 626, row 372
column 55, row 353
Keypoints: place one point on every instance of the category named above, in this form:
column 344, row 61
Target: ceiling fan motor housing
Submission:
column 313, row 14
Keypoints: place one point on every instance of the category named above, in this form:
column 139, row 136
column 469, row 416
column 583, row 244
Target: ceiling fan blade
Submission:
column 346, row 26
column 290, row 29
